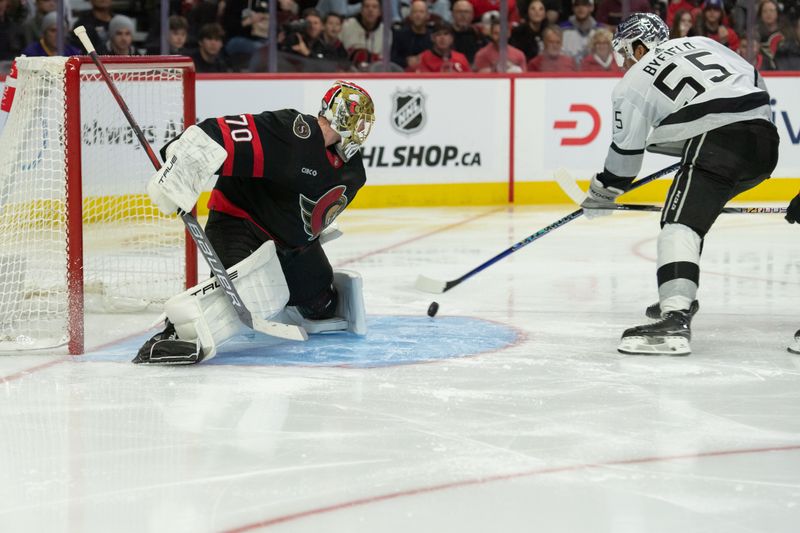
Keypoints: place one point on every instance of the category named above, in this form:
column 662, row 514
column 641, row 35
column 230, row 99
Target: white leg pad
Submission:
column 351, row 314
column 204, row 312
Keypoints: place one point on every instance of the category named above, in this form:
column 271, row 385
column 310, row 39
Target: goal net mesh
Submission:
column 133, row 256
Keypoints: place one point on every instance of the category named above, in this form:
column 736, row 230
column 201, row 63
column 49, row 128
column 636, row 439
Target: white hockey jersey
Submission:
column 680, row 89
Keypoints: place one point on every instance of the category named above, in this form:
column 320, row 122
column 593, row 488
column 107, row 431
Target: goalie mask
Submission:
column 351, row 113
column 645, row 27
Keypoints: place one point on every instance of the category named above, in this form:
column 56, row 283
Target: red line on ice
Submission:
column 490, row 479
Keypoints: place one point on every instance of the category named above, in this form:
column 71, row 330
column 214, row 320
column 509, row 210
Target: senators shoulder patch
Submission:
column 301, row 127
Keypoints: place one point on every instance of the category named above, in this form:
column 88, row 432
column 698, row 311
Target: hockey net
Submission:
column 77, row 231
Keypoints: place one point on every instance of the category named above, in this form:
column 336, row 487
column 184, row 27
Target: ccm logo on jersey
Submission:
column 594, row 116
column 309, row 171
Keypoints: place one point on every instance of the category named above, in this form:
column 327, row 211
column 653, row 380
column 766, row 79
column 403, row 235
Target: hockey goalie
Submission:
column 283, row 177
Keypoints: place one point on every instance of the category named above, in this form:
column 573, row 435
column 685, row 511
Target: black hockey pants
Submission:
column 308, row 272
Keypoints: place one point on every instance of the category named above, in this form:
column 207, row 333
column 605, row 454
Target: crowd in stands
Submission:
column 426, row 35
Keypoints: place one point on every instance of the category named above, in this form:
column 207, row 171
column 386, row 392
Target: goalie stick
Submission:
column 427, row 284
column 275, row 329
column 571, row 189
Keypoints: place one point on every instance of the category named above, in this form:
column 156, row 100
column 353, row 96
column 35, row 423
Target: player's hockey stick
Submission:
column 571, row 189
column 427, row 284
column 276, row 329
column 733, row 210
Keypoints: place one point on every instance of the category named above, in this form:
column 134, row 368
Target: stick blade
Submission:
column 280, row 330
column 567, row 182
column 426, row 284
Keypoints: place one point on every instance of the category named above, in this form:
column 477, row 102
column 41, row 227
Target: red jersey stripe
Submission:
column 227, row 166
column 258, row 151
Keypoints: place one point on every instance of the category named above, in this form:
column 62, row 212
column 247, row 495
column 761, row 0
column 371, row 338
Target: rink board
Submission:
column 484, row 139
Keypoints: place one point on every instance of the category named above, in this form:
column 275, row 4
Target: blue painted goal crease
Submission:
column 391, row 340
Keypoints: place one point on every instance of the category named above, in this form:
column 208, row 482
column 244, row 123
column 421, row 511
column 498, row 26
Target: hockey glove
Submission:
column 793, row 211
column 191, row 160
column 598, row 197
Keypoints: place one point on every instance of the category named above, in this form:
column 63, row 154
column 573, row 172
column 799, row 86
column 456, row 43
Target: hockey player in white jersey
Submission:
column 694, row 98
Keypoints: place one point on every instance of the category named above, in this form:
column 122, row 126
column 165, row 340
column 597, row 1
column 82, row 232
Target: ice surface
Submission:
column 518, row 416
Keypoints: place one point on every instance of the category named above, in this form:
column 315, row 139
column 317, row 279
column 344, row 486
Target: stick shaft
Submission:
column 658, row 208
column 544, row 231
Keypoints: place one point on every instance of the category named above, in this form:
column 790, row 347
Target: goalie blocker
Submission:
column 202, row 318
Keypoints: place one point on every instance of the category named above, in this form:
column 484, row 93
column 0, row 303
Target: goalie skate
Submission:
column 795, row 346
column 669, row 336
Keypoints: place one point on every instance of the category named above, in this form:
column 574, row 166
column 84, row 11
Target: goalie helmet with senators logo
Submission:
column 351, row 114
column 647, row 28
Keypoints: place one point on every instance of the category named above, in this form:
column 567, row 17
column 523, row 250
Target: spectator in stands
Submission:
column 207, row 12
column 557, row 10
column 47, row 44
column 413, row 38
column 208, row 56
column 96, row 22
column 440, row 10
column 11, row 37
column 32, row 29
column 609, row 12
column 600, row 57
column 485, row 6
column 178, row 33
column 120, row 37
column 578, row 30
column 709, row 24
column 331, row 47
column 249, row 30
column 528, row 35
column 340, row 7
column 552, row 59
column 306, row 41
column 441, row 57
column 467, row 39
column 770, row 26
column 759, row 60
column 362, row 35
column 788, row 55
column 487, row 59
column 690, row 6
column 682, row 25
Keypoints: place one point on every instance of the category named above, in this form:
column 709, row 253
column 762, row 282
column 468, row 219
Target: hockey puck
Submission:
column 433, row 309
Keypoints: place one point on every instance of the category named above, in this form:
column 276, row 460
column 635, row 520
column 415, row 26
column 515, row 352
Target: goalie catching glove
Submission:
column 190, row 161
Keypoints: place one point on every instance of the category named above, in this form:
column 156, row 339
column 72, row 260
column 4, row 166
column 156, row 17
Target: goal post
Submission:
column 78, row 233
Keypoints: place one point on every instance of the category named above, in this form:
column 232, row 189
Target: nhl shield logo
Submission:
column 408, row 111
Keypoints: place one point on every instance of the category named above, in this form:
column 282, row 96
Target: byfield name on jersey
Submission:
column 663, row 55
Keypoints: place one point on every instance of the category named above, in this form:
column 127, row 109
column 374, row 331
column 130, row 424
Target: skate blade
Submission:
column 654, row 346
column 794, row 348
